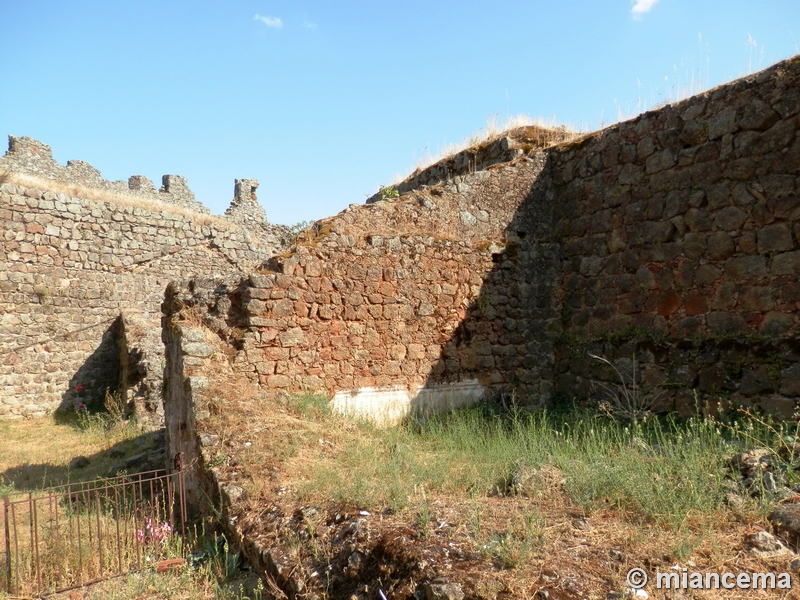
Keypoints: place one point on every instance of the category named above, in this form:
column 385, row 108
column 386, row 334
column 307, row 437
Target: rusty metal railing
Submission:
column 76, row 534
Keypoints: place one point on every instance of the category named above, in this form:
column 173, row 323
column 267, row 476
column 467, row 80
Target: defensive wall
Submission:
column 83, row 267
column 667, row 244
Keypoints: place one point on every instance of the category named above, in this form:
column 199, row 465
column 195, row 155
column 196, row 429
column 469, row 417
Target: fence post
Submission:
column 7, row 538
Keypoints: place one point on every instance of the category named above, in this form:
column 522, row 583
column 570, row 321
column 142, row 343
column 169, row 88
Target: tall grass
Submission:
column 666, row 471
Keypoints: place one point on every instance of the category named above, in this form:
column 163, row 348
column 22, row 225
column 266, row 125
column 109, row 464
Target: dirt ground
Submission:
column 533, row 544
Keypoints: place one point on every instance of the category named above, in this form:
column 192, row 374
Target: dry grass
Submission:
column 494, row 129
column 113, row 197
column 36, row 453
column 597, row 505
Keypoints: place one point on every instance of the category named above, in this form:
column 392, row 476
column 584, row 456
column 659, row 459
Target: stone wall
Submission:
column 671, row 238
column 31, row 157
column 71, row 266
column 680, row 230
column 369, row 301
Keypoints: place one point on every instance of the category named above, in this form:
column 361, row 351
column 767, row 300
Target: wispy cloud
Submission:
column 308, row 25
column 270, row 21
column 641, row 7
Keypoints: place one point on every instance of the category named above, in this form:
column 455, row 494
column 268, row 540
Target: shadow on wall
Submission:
column 505, row 341
column 99, row 372
column 669, row 246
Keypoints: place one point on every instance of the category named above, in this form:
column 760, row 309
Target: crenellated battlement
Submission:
column 27, row 156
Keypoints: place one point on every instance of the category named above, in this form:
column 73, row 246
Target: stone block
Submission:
column 786, row 264
column 660, row 161
column 254, row 307
column 721, row 123
column 779, row 406
column 722, row 323
column 758, row 115
column 776, row 324
column 790, row 381
column 197, row 349
column 695, row 303
column 775, row 238
column 698, row 219
column 730, row 218
column 720, row 245
column 292, row 337
column 747, row 268
column 196, row 383
column 707, row 274
column 668, row 303
column 756, row 299
column 746, row 243
column 756, row 381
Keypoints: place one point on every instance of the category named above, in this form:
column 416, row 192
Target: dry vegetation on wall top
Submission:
column 533, row 133
column 76, row 190
column 518, row 137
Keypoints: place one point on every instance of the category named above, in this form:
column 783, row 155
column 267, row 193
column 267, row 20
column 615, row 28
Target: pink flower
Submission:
column 140, row 536
column 81, row 407
column 79, row 388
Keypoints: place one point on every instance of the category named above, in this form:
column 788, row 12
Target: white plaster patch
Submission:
column 389, row 406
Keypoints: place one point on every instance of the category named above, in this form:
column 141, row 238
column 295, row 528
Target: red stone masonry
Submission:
column 671, row 238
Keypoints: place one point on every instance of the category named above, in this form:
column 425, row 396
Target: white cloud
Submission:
column 270, row 21
column 642, row 6
column 310, row 25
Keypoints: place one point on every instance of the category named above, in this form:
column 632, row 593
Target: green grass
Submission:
column 665, row 471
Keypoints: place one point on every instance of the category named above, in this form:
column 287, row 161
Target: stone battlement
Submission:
column 27, row 156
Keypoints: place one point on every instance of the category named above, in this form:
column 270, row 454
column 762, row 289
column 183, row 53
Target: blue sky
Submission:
column 324, row 101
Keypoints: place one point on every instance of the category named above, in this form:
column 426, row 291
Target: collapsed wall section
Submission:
column 369, row 304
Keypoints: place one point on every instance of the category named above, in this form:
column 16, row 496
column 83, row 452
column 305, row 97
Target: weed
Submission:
column 218, row 460
column 42, row 294
column 626, row 400
column 388, row 192
column 298, row 228
column 656, row 471
column 483, row 304
column 310, row 406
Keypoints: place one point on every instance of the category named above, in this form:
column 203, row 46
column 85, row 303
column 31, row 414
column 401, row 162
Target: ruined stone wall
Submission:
column 671, row 238
column 27, row 156
column 71, row 266
column 371, row 301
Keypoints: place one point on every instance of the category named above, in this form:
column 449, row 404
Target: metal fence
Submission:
column 72, row 535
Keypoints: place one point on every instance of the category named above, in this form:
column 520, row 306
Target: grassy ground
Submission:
column 508, row 504
column 666, row 473
column 512, row 503
column 36, row 453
